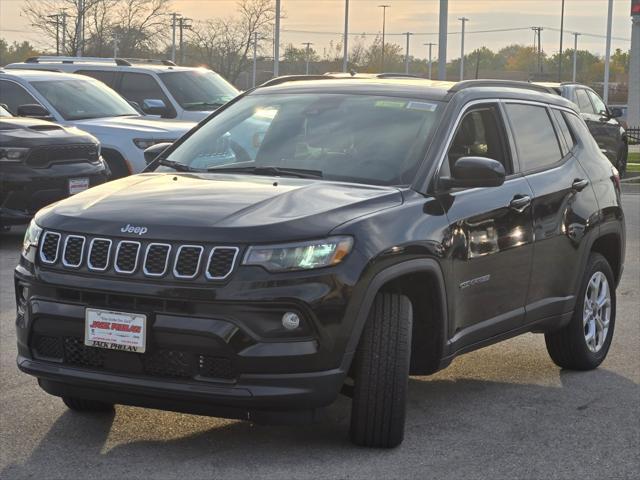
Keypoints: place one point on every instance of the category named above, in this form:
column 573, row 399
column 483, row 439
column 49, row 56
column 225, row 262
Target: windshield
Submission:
column 359, row 138
column 82, row 99
column 199, row 89
column 4, row 113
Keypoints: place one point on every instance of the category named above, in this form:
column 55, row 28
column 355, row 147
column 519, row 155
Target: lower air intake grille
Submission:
column 46, row 346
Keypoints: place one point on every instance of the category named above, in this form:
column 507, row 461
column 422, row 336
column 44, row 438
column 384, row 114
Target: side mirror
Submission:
column 154, row 106
column 616, row 112
column 33, row 110
column 153, row 152
column 473, row 172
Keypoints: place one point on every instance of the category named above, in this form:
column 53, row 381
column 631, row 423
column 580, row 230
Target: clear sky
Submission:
column 420, row 16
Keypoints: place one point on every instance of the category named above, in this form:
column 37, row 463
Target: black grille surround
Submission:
column 43, row 157
column 137, row 258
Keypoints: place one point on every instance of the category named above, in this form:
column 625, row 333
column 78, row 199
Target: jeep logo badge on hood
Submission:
column 128, row 228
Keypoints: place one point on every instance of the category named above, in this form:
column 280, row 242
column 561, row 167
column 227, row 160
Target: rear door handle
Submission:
column 579, row 184
column 520, row 203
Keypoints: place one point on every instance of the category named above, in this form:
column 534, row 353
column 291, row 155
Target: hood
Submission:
column 214, row 207
column 29, row 132
column 139, row 126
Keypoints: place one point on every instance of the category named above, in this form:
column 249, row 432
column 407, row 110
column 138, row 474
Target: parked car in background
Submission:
column 384, row 227
column 603, row 123
column 41, row 163
column 159, row 87
column 86, row 103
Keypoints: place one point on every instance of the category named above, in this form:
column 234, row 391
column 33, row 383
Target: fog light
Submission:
column 290, row 321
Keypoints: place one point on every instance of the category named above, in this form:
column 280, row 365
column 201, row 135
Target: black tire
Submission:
column 82, row 405
column 568, row 346
column 623, row 154
column 381, row 373
column 115, row 162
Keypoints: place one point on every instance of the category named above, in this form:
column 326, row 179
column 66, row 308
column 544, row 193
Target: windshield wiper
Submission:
column 270, row 171
column 177, row 166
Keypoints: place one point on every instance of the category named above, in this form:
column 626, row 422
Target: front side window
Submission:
column 597, row 102
column 14, row 95
column 83, row 99
column 344, row 137
column 534, row 135
column 138, row 87
column 202, row 90
column 583, row 101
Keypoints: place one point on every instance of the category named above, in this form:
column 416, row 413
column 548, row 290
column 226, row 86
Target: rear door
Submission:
column 563, row 202
column 608, row 128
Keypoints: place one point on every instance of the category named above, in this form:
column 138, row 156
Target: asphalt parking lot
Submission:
column 504, row 412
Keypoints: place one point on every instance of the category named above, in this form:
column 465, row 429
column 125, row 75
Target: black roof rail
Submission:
column 500, row 83
column 131, row 61
column 397, row 75
column 293, row 78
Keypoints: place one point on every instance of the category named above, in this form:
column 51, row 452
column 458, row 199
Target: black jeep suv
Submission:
column 375, row 229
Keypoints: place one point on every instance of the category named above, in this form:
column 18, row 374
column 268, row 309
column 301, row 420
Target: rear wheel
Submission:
column 82, row 405
column 623, row 154
column 583, row 344
column 381, row 373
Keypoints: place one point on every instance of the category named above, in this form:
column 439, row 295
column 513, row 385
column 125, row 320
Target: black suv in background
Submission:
column 380, row 228
column 604, row 124
column 42, row 162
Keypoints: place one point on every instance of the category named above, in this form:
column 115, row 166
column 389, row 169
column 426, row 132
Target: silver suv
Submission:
column 157, row 87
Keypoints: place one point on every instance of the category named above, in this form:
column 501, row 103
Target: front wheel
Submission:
column 381, row 373
column 583, row 344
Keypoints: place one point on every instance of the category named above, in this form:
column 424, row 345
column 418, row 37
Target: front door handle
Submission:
column 520, row 203
column 579, row 184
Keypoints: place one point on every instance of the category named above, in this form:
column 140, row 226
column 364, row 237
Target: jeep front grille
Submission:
column 137, row 258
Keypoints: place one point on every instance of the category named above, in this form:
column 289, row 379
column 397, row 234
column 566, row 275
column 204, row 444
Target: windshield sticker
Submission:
column 429, row 107
column 390, row 104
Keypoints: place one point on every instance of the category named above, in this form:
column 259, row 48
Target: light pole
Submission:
column 345, row 57
column 575, row 54
column 464, row 20
column 276, row 43
column 174, row 23
column 538, row 33
column 607, row 59
column 442, row 42
column 57, row 22
column 64, row 32
column 561, row 37
column 384, row 25
column 406, row 56
column 430, row 58
column 80, row 29
column 308, row 44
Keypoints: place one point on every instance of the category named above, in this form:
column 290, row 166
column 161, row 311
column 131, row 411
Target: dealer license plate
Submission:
column 77, row 185
column 115, row 330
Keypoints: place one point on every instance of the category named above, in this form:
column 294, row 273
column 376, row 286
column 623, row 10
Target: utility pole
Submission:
column 255, row 59
column 607, row 58
column 477, row 63
column 184, row 25
column 384, row 25
column 64, row 32
column 174, row 18
column 430, row 58
column 57, row 24
column 561, row 38
column 633, row 113
column 575, row 54
column 464, row 20
column 80, row 29
column 538, row 31
column 116, row 41
column 308, row 44
column 406, row 55
column 442, row 45
column 345, row 56
column 276, row 43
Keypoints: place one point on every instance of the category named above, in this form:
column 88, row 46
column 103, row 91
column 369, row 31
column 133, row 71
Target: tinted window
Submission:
column 13, row 95
column 534, row 135
column 580, row 131
column 564, row 129
column 583, row 101
column 198, row 89
column 480, row 135
column 138, row 87
column 597, row 102
column 358, row 138
column 105, row 76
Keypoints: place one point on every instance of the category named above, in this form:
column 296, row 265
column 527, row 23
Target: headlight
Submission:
column 10, row 154
column 300, row 256
column 144, row 143
column 31, row 238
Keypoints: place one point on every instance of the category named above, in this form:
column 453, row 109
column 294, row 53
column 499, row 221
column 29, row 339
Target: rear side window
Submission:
column 580, row 131
column 138, row 87
column 13, row 95
column 105, row 76
column 534, row 135
column 583, row 101
column 564, row 130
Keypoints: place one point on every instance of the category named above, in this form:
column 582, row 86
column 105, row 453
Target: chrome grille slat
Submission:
column 126, row 258
column 73, row 249
column 97, row 253
column 50, row 242
column 151, row 265
column 187, row 260
column 221, row 262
